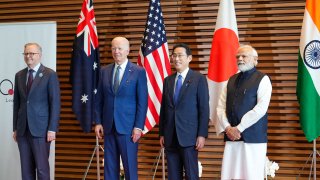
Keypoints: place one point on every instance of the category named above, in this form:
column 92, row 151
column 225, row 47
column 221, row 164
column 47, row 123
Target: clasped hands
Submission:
column 233, row 133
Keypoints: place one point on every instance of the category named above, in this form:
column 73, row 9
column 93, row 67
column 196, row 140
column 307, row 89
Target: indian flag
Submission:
column 308, row 84
column 222, row 62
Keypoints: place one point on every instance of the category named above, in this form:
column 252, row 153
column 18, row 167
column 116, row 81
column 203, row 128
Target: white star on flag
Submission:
column 95, row 65
column 84, row 98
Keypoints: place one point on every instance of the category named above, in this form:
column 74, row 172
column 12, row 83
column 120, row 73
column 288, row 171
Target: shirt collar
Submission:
column 123, row 65
column 36, row 68
column 183, row 73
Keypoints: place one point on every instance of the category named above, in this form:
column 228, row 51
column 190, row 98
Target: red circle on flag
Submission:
column 223, row 62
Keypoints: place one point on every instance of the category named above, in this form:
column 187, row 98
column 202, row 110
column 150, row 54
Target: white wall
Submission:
column 13, row 36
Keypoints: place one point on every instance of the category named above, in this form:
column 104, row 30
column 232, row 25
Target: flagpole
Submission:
column 163, row 165
column 96, row 151
column 98, row 158
column 314, row 159
column 161, row 155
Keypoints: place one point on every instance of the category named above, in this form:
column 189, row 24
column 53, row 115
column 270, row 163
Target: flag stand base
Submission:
column 313, row 166
column 161, row 155
column 95, row 152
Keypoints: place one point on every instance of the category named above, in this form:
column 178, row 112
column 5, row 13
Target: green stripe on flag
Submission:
column 309, row 101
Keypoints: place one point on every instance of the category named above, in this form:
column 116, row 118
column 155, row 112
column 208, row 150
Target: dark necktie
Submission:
column 116, row 81
column 177, row 89
column 30, row 80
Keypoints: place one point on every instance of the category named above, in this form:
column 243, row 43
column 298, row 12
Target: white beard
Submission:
column 245, row 67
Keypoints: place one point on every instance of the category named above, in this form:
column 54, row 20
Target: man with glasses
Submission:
column 242, row 113
column 36, row 113
column 184, row 116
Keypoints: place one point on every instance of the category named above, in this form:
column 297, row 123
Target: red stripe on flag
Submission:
column 139, row 60
column 153, row 111
column 167, row 60
column 155, row 55
column 147, row 124
column 152, row 79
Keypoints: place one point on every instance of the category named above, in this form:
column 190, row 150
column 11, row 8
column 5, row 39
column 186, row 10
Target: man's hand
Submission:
column 162, row 141
column 51, row 136
column 98, row 129
column 200, row 142
column 136, row 134
column 14, row 136
column 233, row 133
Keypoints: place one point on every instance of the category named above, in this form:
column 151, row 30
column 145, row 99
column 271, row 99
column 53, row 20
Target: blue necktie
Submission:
column 177, row 90
column 116, row 81
column 30, row 80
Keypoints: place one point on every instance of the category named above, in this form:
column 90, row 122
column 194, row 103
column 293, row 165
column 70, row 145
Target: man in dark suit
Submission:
column 36, row 113
column 121, row 109
column 184, row 116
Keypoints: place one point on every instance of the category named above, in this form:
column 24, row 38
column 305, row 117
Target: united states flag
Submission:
column 154, row 57
column 85, row 67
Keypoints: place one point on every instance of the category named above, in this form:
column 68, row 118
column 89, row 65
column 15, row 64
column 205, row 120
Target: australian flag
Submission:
column 85, row 67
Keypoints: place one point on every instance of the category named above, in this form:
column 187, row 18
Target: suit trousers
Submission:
column 181, row 160
column 34, row 157
column 120, row 144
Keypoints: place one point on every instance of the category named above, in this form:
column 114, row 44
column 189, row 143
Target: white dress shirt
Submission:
column 252, row 116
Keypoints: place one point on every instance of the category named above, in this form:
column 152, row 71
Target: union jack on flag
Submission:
column 87, row 27
column 154, row 57
column 85, row 67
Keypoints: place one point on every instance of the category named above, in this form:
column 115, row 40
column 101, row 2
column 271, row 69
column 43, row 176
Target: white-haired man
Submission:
column 242, row 113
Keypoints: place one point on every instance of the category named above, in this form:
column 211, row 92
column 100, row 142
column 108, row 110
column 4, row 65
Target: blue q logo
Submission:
column 312, row 54
column 6, row 87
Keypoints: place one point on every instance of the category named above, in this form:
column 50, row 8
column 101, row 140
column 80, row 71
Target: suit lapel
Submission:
column 24, row 80
column 171, row 85
column 125, row 77
column 110, row 74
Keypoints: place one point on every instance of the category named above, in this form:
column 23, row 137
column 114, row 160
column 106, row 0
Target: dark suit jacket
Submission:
column 190, row 116
column 127, row 107
column 41, row 108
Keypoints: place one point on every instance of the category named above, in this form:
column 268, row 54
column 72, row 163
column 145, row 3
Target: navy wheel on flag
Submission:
column 312, row 54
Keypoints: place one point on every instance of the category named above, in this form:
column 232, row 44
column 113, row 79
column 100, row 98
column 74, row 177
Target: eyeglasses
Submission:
column 179, row 56
column 29, row 54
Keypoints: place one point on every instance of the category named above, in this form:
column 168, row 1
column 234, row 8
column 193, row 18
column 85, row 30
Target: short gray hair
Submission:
column 34, row 44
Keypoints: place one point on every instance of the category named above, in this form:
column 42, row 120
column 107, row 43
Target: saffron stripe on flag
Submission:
column 313, row 8
column 308, row 82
